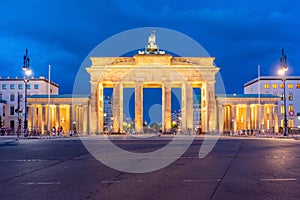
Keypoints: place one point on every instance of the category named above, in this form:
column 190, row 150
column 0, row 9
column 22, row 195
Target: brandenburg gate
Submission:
column 153, row 68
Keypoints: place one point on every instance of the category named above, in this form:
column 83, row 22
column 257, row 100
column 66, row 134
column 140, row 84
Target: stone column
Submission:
column 183, row 108
column 68, row 119
column 204, row 124
column 57, row 117
column 275, row 111
column 30, row 117
column 85, row 117
column 138, row 107
column 33, row 117
column 248, row 118
column 100, row 107
column 166, row 107
column 94, row 115
column 71, row 117
column 233, row 119
column 118, row 108
column 43, row 120
column 189, row 107
column 220, row 119
column 211, row 106
column 261, row 116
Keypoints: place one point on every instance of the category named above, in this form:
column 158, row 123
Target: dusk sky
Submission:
column 240, row 34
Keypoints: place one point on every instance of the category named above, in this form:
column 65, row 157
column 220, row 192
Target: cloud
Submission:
column 239, row 34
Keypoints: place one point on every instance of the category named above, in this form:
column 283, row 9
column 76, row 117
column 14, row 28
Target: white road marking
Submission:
column 105, row 182
column 278, row 179
column 202, row 180
column 41, row 183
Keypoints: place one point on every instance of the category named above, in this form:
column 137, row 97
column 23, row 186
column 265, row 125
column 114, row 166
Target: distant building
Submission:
column 108, row 113
column 12, row 97
column 274, row 85
column 176, row 117
column 197, row 111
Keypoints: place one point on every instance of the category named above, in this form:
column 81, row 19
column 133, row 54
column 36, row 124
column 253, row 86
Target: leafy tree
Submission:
column 155, row 126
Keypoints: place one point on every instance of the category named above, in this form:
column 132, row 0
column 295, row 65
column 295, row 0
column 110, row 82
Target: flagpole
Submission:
column 49, row 84
column 258, row 73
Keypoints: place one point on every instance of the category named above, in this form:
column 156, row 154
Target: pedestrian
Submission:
column 58, row 131
column 61, row 131
column 53, row 130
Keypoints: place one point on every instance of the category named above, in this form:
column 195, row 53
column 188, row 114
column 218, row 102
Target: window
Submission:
column 28, row 86
column 12, row 97
column 281, row 86
column 1, row 97
column 274, row 86
column 12, row 110
column 282, row 109
column 12, row 124
column 282, row 97
column 298, row 86
column 291, row 123
column 4, row 86
column 290, row 96
column 20, row 86
column 36, row 86
column 267, row 86
column 50, row 90
column 291, row 107
column 12, row 86
column 290, row 86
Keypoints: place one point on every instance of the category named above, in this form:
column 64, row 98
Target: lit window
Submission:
column 282, row 97
column 12, row 86
column 298, row 86
column 4, row 86
column 291, row 107
column 290, row 86
column 275, row 86
column 20, row 86
column 290, row 123
column 282, row 109
column 267, row 86
column 36, row 86
column 281, row 123
column 290, row 96
column 281, row 86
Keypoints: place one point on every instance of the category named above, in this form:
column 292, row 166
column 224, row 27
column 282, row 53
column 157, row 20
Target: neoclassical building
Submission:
column 153, row 68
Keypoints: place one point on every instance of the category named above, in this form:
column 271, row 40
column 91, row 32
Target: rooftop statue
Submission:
column 152, row 47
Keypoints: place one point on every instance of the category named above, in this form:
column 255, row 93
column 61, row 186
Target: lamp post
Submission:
column 282, row 71
column 27, row 72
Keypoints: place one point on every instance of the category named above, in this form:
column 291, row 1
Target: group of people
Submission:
column 59, row 131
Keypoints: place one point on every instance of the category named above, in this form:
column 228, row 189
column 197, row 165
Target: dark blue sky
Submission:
column 240, row 34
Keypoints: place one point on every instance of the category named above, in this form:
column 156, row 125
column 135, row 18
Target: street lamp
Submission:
column 27, row 73
column 282, row 71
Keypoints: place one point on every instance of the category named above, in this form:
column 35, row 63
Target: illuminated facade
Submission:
column 153, row 71
column 274, row 85
column 247, row 112
column 68, row 111
column 153, row 68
